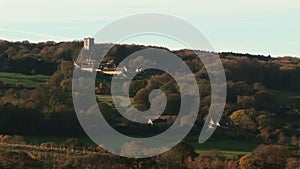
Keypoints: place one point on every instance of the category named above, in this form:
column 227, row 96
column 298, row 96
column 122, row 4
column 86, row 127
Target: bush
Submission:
column 72, row 143
column 12, row 139
column 265, row 156
column 48, row 145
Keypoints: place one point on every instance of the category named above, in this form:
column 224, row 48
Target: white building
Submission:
column 88, row 43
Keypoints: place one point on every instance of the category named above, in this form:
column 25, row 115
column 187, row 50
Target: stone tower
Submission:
column 88, row 43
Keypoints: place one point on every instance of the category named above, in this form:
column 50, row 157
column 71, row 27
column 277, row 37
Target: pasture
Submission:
column 17, row 80
column 227, row 147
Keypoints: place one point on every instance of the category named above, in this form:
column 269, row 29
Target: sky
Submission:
column 269, row 27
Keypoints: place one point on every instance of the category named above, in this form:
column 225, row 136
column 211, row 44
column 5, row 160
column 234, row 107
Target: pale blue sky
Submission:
column 256, row 26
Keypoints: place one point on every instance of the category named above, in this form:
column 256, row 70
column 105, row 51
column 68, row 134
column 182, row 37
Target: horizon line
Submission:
column 151, row 45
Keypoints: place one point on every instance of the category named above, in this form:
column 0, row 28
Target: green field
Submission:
column 108, row 100
column 27, row 81
column 105, row 99
column 228, row 147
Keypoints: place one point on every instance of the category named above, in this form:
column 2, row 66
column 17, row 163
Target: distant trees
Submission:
column 265, row 101
column 240, row 88
column 266, row 156
column 135, row 86
column 39, row 98
column 43, row 58
column 213, row 159
column 244, row 119
column 265, row 119
column 18, row 160
column 272, row 73
column 250, row 104
column 60, row 88
column 176, row 157
column 292, row 163
column 15, row 139
column 251, row 123
column 14, row 120
column 72, row 143
column 245, row 101
column 140, row 101
column 95, row 161
column 27, row 65
column 30, row 111
column 163, row 82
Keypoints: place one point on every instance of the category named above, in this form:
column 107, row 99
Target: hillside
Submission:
column 262, row 105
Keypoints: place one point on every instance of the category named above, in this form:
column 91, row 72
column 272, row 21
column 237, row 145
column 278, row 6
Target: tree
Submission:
column 213, row 160
column 156, row 81
column 18, row 160
column 239, row 88
column 258, row 87
column 292, row 163
column 281, row 138
column 140, row 101
column 264, row 119
column 133, row 149
column 265, row 101
column 245, row 101
column 11, row 51
column 39, row 98
column 72, row 143
column 265, row 156
column 295, row 141
column 66, row 55
column 244, row 119
column 177, row 156
column 266, row 134
column 135, row 86
column 250, row 162
column 173, row 104
column 60, row 88
column 170, row 87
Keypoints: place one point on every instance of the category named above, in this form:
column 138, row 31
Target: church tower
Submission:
column 88, row 43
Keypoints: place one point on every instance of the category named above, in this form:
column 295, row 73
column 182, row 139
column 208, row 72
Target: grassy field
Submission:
column 27, row 81
column 228, row 147
column 108, row 100
column 105, row 99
